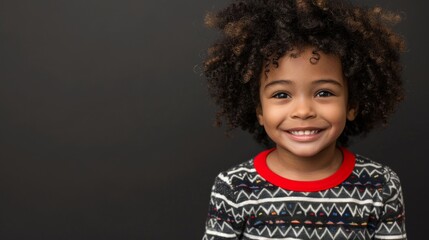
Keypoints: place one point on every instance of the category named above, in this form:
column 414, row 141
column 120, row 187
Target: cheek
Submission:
column 273, row 114
column 337, row 115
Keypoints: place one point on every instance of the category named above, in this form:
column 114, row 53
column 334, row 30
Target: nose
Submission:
column 303, row 109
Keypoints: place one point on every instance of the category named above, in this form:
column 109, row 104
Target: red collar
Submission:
column 346, row 168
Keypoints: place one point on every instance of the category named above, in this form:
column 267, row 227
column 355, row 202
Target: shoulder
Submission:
column 239, row 172
column 373, row 168
column 377, row 173
column 228, row 183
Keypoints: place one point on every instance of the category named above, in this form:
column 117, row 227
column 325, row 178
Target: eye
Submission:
column 281, row 95
column 324, row 93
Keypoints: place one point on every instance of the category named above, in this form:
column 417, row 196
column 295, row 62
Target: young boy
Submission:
column 304, row 76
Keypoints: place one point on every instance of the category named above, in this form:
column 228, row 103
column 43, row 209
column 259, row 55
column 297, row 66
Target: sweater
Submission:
column 362, row 200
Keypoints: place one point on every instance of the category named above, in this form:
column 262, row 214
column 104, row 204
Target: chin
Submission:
column 304, row 151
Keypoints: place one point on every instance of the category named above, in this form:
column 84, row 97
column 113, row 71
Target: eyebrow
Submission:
column 331, row 81
column 289, row 82
column 276, row 82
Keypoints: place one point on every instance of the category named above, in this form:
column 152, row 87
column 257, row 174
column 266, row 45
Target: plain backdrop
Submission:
column 106, row 127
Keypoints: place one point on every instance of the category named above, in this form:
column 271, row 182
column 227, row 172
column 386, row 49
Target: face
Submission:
column 303, row 103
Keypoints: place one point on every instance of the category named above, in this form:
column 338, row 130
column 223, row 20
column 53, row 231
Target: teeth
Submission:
column 304, row 133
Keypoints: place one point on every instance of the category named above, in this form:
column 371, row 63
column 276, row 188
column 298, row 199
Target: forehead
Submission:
column 307, row 63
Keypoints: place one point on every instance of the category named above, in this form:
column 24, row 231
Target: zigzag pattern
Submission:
column 323, row 233
column 367, row 205
column 300, row 208
column 221, row 226
column 354, row 193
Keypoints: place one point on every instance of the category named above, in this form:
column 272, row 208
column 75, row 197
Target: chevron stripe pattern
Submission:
column 367, row 205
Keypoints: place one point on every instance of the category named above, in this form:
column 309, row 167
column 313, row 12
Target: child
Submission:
column 304, row 76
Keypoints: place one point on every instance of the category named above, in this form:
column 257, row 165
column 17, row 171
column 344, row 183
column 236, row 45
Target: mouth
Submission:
column 304, row 132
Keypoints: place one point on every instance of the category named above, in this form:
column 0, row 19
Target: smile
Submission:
column 304, row 132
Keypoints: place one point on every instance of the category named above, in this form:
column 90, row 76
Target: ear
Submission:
column 259, row 115
column 352, row 113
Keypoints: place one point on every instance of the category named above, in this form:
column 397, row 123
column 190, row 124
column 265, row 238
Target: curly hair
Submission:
column 256, row 33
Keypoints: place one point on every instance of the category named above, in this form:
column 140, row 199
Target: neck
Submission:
column 310, row 168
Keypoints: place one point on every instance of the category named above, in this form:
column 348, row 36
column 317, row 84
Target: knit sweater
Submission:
column 362, row 200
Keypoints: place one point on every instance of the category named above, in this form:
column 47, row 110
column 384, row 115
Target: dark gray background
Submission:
column 106, row 127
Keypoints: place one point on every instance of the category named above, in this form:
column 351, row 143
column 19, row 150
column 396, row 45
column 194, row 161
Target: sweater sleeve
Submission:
column 392, row 219
column 224, row 220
